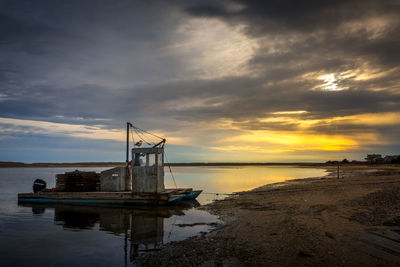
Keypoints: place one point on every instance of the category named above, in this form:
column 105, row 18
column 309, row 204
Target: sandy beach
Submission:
column 351, row 221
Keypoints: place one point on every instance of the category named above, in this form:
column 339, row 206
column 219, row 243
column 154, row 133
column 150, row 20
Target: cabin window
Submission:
column 152, row 160
column 140, row 159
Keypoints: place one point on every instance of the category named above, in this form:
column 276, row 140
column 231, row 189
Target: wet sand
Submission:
column 354, row 220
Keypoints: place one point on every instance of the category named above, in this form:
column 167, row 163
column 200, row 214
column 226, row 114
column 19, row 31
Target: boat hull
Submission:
column 170, row 196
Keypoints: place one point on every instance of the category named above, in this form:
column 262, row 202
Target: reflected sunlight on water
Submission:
column 234, row 179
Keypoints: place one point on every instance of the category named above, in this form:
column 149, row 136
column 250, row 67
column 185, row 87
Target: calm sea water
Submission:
column 60, row 235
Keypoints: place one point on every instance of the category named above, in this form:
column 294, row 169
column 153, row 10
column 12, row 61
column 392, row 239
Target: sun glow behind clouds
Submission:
column 292, row 141
column 306, row 134
column 341, row 81
column 331, row 82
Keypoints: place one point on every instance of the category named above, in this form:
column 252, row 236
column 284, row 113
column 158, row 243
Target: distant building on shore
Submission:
column 370, row 159
column 374, row 158
column 377, row 158
column 391, row 159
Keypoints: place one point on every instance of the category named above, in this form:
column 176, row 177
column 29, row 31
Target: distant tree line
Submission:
column 371, row 159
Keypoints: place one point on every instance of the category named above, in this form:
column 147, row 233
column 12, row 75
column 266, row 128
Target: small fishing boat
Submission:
column 140, row 182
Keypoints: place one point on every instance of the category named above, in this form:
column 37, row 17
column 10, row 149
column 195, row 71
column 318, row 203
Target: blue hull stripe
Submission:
column 78, row 201
column 91, row 201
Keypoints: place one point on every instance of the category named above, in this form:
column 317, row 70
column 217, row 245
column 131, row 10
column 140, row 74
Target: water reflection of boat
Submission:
column 143, row 227
column 140, row 181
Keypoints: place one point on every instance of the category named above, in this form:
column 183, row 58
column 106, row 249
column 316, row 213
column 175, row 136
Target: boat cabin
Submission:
column 147, row 170
column 145, row 174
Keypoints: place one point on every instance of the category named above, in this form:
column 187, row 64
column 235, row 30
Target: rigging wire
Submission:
column 133, row 140
column 144, row 131
column 141, row 136
column 170, row 170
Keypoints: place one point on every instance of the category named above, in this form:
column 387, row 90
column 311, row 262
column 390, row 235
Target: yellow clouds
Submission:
column 293, row 112
column 262, row 141
column 367, row 119
column 371, row 119
column 367, row 72
column 343, row 133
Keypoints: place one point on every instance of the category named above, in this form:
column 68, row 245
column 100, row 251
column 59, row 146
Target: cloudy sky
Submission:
column 251, row 81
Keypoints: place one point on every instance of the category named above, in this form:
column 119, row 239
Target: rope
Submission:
column 141, row 133
column 169, row 166
column 144, row 131
column 133, row 140
column 142, row 137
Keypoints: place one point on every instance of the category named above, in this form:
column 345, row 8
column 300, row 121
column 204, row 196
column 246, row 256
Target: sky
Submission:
column 222, row 81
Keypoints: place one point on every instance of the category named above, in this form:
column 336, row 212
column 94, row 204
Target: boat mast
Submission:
column 127, row 141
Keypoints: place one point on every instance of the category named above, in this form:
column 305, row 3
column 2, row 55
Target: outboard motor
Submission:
column 38, row 185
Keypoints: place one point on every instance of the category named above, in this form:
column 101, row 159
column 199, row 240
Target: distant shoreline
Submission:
column 9, row 164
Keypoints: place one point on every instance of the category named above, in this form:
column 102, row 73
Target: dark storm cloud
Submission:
column 291, row 15
column 71, row 58
column 314, row 39
column 44, row 40
column 62, row 60
column 318, row 23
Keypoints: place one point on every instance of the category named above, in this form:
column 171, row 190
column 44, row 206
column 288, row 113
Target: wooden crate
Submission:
column 78, row 181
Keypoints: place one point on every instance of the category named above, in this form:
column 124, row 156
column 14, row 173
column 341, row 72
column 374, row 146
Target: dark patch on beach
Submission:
column 380, row 208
